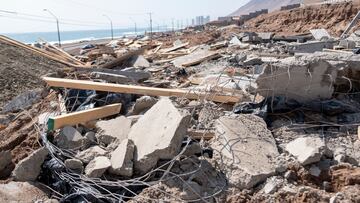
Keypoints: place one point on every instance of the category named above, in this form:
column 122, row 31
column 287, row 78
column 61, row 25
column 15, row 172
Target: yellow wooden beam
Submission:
column 75, row 118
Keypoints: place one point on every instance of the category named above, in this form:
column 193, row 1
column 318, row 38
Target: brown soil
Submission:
column 20, row 71
column 334, row 18
column 344, row 175
column 21, row 136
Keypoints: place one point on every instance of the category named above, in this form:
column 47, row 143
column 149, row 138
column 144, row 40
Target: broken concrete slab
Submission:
column 252, row 61
column 320, row 34
column 89, row 154
column 113, row 129
column 122, row 159
column 164, row 128
column 29, row 168
column 195, row 58
column 298, row 79
column 142, row 104
column 5, row 159
column 235, row 41
column 310, row 47
column 245, row 149
column 69, row 138
column 75, row 165
column 307, row 150
column 22, row 192
column 97, row 167
column 140, row 62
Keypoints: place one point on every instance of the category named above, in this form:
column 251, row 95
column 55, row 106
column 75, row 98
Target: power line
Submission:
column 63, row 20
column 104, row 10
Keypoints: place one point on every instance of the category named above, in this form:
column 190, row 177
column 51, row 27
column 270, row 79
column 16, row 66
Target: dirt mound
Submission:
column 334, row 18
column 20, row 71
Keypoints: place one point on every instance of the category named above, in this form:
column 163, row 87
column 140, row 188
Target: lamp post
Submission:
column 57, row 24
column 135, row 26
column 111, row 26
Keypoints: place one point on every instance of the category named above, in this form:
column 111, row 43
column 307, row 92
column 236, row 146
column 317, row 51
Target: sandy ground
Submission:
column 20, row 71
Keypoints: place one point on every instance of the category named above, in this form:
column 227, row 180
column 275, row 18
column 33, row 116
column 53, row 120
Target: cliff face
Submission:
column 254, row 5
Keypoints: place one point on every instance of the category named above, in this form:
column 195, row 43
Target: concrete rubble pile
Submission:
column 218, row 115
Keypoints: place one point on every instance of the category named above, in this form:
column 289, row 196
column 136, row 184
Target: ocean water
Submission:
column 72, row 36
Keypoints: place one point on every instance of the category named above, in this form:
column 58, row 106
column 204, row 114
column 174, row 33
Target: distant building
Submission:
column 312, row 2
column 201, row 20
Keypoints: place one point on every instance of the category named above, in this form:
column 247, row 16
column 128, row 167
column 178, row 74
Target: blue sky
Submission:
column 88, row 14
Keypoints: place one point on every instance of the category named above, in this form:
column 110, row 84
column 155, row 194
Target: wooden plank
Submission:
column 176, row 47
column 201, row 59
column 199, row 134
column 36, row 50
column 75, row 118
column 63, row 53
column 133, row 89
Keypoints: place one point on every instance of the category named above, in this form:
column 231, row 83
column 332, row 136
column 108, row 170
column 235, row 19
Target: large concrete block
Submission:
column 158, row 134
column 69, row 138
column 29, row 168
column 111, row 130
column 297, row 79
column 244, row 149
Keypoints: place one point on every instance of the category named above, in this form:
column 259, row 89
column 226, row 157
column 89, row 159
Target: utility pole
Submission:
column 135, row 26
column 151, row 31
column 57, row 25
column 173, row 26
column 111, row 26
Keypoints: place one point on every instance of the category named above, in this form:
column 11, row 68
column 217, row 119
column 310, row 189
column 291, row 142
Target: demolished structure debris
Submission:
column 220, row 114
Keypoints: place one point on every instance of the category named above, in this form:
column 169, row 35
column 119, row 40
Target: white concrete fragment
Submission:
column 89, row 154
column 245, row 149
column 29, row 168
column 69, row 138
column 307, row 150
column 122, row 159
column 158, row 135
column 97, row 167
column 74, row 164
column 315, row 171
column 110, row 130
column 141, row 62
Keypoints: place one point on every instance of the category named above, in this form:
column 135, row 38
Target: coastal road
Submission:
column 74, row 48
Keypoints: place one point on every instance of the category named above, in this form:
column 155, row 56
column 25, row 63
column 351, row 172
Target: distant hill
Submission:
column 255, row 5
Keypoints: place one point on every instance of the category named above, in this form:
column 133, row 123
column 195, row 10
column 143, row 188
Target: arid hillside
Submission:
column 333, row 18
column 255, row 5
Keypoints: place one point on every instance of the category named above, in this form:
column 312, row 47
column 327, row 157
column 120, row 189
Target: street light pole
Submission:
column 111, row 25
column 150, row 14
column 57, row 25
column 135, row 26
